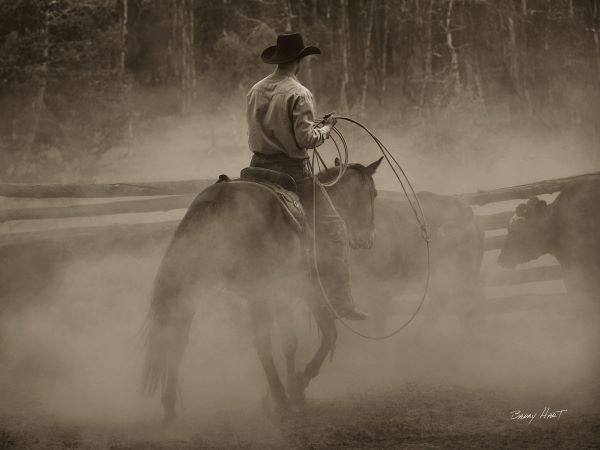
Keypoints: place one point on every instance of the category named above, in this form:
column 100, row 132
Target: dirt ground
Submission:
column 69, row 378
column 411, row 416
column 441, row 393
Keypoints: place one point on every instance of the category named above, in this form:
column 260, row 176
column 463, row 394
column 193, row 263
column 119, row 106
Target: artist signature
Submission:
column 545, row 414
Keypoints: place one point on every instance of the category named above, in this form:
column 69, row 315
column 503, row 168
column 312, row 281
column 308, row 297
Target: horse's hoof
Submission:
column 265, row 403
column 296, row 386
column 168, row 420
column 298, row 400
column 279, row 407
column 282, row 409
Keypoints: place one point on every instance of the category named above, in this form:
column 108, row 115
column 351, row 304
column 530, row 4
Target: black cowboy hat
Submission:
column 290, row 46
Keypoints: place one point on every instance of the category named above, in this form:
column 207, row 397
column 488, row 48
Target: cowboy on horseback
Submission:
column 230, row 218
column 281, row 127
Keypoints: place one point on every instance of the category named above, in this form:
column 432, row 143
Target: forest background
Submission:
column 88, row 84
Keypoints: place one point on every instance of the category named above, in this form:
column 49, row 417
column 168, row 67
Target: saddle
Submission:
column 281, row 185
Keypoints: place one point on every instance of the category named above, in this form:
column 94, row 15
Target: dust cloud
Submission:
column 75, row 352
column 455, row 151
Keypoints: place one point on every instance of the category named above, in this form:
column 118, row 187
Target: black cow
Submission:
column 568, row 228
column 397, row 262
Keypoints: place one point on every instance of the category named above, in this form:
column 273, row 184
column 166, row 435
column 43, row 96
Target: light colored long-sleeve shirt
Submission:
column 280, row 117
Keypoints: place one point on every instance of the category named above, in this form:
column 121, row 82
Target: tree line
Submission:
column 80, row 76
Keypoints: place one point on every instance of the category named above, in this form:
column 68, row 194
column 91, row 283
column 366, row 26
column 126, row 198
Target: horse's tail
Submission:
column 172, row 307
column 166, row 338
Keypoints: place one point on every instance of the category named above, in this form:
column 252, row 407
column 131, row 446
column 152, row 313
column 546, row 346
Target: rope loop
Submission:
column 413, row 199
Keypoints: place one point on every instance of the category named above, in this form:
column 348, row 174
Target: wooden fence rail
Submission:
column 495, row 221
column 159, row 188
column 493, row 242
column 79, row 234
column 169, row 196
column 522, row 191
column 100, row 209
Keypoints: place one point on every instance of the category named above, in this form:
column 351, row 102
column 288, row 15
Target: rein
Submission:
column 417, row 211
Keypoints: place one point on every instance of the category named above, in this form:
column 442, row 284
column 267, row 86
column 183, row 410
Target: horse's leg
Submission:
column 326, row 324
column 171, row 340
column 285, row 321
column 262, row 323
column 169, row 396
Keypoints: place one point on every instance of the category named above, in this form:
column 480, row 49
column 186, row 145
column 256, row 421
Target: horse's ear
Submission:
column 371, row 168
column 337, row 161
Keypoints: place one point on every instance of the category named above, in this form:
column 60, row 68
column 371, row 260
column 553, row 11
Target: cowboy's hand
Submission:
column 328, row 122
column 329, row 119
column 326, row 130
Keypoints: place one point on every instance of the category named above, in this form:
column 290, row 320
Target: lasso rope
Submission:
column 419, row 215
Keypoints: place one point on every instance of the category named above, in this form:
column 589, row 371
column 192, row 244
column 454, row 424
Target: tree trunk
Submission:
column 525, row 62
column 122, row 59
column 596, row 35
column 512, row 52
column 515, row 70
column 473, row 56
column 183, row 48
column 454, row 69
column 343, row 50
column 123, row 42
column 382, row 44
column 369, row 31
column 42, row 76
column 190, row 57
column 287, row 11
column 547, row 31
column 428, row 51
column 409, row 34
column 303, row 21
column 428, row 39
column 548, row 102
column 571, row 10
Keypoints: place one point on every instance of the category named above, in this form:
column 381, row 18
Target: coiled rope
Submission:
column 343, row 154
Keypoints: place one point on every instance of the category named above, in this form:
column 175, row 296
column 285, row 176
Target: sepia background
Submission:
column 468, row 95
column 87, row 85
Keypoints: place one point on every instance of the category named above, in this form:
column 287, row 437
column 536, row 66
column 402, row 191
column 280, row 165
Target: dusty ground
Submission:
column 439, row 392
column 69, row 378
column 412, row 416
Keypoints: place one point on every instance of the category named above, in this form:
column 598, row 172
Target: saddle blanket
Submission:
column 275, row 182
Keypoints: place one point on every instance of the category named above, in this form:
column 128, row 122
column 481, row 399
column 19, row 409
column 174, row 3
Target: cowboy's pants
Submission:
column 330, row 230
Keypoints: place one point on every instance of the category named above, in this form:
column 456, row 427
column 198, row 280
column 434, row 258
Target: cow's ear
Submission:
column 541, row 207
column 371, row 168
column 533, row 201
column 337, row 162
column 535, row 206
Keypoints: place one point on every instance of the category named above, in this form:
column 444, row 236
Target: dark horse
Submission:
column 236, row 234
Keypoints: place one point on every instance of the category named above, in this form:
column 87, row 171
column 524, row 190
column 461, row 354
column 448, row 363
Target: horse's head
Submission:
column 354, row 198
column 528, row 234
